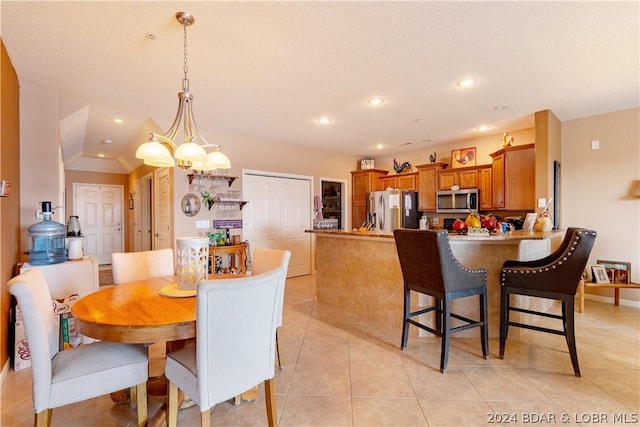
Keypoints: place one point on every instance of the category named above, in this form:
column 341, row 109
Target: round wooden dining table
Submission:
column 136, row 313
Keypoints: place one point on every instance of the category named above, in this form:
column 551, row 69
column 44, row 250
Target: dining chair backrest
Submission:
column 133, row 266
column 78, row 373
column 235, row 332
column 266, row 259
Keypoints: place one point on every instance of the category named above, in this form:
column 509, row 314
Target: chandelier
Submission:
column 191, row 154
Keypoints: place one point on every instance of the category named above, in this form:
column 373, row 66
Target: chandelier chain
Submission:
column 185, row 68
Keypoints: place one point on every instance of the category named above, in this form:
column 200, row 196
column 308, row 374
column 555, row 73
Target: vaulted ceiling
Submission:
column 271, row 69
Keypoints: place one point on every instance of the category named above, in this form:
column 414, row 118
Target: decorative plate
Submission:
column 191, row 204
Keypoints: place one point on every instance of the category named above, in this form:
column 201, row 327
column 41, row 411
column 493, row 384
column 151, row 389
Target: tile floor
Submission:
column 349, row 372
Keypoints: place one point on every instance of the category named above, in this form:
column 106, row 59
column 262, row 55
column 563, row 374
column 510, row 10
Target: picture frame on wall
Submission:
column 599, row 274
column 463, row 157
column 617, row 271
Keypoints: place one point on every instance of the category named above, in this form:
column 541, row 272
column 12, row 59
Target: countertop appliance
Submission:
column 457, row 201
column 391, row 209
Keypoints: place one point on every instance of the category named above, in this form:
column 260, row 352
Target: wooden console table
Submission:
column 616, row 287
column 237, row 254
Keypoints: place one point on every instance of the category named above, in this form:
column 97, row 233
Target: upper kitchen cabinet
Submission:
column 485, row 187
column 403, row 181
column 363, row 182
column 427, row 185
column 514, row 178
column 462, row 177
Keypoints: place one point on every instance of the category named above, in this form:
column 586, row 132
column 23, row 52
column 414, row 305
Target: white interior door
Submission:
column 162, row 202
column 99, row 210
column 278, row 212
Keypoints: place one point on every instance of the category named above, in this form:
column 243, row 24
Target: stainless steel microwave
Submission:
column 457, row 201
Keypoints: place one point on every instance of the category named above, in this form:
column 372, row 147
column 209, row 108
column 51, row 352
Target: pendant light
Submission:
column 191, row 153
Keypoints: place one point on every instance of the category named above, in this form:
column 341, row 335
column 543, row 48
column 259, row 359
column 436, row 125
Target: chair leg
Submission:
column 484, row 318
column 438, row 312
column 504, row 318
column 446, row 334
column 569, row 325
column 43, row 418
column 141, row 402
column 270, row 401
column 280, row 365
column 405, row 323
column 205, row 418
column 172, row 405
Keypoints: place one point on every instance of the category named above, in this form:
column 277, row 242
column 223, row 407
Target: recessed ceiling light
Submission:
column 379, row 146
column 102, row 156
column 465, row 83
column 117, row 120
column 500, row 107
column 483, row 128
column 376, row 101
column 325, row 120
column 107, row 141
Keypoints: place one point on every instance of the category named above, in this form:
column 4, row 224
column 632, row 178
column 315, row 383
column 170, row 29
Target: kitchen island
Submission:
column 359, row 272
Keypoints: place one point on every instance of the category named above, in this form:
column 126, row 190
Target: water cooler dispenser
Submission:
column 47, row 239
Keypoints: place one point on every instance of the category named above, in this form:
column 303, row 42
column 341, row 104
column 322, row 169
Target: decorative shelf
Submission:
column 229, row 179
column 228, row 201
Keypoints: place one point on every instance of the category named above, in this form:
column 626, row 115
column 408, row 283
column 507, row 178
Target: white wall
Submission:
column 39, row 157
column 596, row 184
column 270, row 156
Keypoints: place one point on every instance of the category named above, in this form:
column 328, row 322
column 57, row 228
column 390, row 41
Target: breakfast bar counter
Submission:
column 359, row 272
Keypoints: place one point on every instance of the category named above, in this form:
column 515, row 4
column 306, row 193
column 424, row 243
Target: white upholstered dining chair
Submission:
column 132, row 266
column 263, row 260
column 235, row 340
column 76, row 374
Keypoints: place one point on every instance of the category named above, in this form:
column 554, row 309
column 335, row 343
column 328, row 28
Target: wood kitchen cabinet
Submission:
column 462, row 177
column 513, row 178
column 485, row 187
column 404, row 181
column 363, row 182
column 427, row 185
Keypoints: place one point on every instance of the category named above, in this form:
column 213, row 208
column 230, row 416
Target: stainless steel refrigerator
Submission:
column 391, row 209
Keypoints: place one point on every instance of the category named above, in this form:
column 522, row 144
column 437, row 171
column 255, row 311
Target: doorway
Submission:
column 333, row 196
column 99, row 209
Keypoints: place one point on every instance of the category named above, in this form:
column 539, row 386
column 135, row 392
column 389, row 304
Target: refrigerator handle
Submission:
column 383, row 212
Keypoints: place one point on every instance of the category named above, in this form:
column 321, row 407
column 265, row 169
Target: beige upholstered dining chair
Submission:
column 76, row 374
column 132, row 266
column 235, row 340
column 265, row 259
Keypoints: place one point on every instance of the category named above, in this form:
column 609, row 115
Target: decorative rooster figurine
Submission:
column 400, row 168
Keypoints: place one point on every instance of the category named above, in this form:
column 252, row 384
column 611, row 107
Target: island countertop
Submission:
column 359, row 272
column 511, row 235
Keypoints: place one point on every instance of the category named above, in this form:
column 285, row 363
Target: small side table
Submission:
column 616, row 288
column 237, row 254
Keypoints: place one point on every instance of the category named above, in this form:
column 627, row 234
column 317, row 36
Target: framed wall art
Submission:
column 463, row 157
column 617, row 271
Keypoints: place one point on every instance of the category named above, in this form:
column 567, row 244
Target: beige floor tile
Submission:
column 455, row 413
column 378, row 380
column 301, row 411
column 321, row 379
column 343, row 371
column 387, row 412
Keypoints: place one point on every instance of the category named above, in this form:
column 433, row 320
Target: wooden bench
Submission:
column 615, row 286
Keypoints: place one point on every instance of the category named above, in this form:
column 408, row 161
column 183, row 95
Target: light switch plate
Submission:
column 202, row 224
column 542, row 203
column 595, row 144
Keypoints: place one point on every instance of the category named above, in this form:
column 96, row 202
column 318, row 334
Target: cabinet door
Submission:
column 446, row 179
column 486, row 189
column 358, row 213
column 468, row 178
column 359, row 187
column 519, row 179
column 406, row 182
column 498, row 181
column 427, row 189
column 388, row 182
